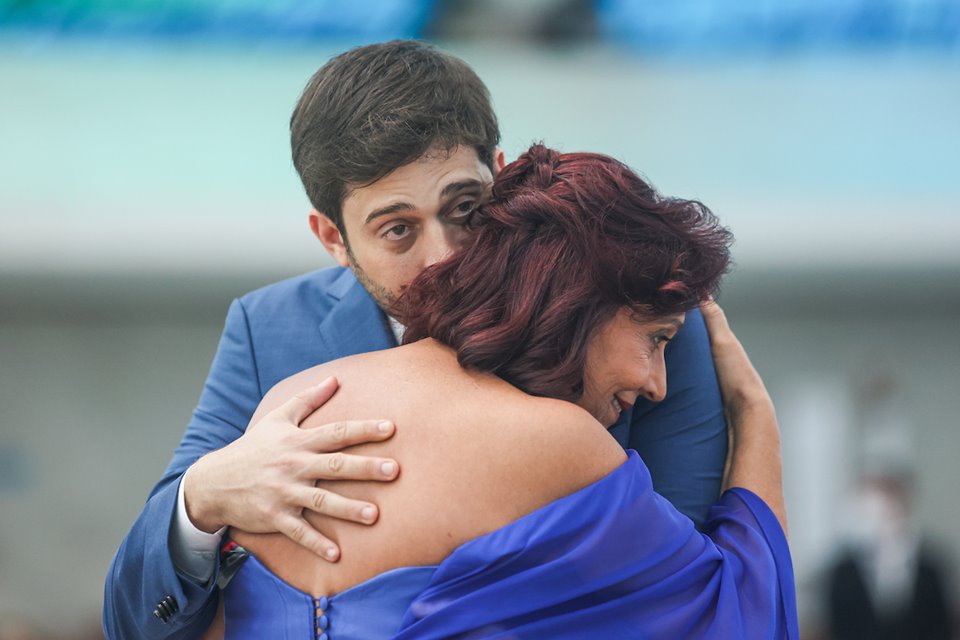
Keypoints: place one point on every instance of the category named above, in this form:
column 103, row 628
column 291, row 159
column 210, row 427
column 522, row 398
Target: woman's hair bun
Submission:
column 527, row 193
column 534, row 168
column 543, row 162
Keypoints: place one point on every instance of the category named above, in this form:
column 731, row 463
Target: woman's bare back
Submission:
column 475, row 455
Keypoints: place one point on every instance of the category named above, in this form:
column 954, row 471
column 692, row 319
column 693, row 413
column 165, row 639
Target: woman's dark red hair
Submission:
column 565, row 241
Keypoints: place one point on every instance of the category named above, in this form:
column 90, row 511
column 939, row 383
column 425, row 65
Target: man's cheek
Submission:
column 402, row 275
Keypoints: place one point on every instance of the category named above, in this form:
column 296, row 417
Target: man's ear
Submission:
column 498, row 161
column 330, row 237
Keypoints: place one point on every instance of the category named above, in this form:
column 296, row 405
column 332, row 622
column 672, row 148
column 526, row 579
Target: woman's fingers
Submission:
column 726, row 349
column 740, row 383
column 715, row 319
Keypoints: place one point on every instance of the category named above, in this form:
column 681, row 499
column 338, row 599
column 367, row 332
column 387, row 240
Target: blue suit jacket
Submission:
column 290, row 326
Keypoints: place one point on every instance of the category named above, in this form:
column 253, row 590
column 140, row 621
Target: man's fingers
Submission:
column 302, row 532
column 297, row 408
column 346, row 433
column 344, row 466
column 336, row 506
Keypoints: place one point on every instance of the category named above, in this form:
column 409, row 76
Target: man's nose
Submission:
column 439, row 245
column 655, row 387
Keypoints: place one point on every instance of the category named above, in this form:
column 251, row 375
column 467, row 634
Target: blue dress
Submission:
column 614, row 559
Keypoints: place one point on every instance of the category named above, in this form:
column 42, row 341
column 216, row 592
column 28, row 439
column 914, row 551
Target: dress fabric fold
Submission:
column 612, row 560
column 615, row 559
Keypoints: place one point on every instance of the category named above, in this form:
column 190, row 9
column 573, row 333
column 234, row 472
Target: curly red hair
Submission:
column 565, row 241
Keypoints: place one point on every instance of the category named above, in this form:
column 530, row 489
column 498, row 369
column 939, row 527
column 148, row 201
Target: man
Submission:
column 396, row 145
column 886, row 582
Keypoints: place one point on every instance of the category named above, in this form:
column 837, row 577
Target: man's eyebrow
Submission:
column 461, row 185
column 450, row 189
column 389, row 209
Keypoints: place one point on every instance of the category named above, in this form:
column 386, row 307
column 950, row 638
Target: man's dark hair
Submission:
column 378, row 107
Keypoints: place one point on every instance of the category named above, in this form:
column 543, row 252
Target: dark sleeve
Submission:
column 142, row 573
column 933, row 617
column 849, row 608
column 683, row 439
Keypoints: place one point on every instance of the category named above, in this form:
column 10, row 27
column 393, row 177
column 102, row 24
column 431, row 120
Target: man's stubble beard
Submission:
column 384, row 298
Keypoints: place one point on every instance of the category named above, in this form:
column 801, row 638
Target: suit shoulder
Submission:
column 307, row 296
column 298, row 287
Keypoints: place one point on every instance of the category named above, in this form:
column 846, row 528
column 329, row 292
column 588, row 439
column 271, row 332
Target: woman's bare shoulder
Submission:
column 543, row 450
column 294, row 384
column 573, row 443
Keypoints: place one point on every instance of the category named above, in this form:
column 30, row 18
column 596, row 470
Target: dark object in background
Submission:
column 852, row 614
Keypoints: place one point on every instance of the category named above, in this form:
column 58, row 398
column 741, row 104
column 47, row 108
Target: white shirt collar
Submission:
column 396, row 328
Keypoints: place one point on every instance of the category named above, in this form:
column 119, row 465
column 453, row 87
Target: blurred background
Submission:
column 145, row 181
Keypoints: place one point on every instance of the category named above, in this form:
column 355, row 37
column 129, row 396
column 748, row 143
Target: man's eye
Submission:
column 464, row 211
column 464, row 214
column 396, row 231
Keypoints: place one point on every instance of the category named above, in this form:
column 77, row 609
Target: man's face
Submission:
column 407, row 220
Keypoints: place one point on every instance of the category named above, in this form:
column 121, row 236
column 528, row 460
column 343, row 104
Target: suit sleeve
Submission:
column 683, row 439
column 142, row 573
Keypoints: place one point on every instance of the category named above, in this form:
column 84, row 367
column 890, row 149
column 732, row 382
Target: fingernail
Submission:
column 331, row 553
column 368, row 513
column 388, row 468
column 384, row 427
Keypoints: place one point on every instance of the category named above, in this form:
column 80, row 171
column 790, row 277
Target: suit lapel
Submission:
column 355, row 324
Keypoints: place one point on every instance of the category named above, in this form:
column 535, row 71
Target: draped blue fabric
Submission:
column 616, row 560
column 613, row 560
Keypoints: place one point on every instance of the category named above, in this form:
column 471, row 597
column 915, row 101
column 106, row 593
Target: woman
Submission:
column 534, row 339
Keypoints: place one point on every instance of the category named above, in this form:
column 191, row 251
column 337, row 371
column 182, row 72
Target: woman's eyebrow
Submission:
column 662, row 323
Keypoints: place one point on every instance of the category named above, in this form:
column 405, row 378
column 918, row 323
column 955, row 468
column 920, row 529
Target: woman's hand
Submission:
column 740, row 384
column 753, row 461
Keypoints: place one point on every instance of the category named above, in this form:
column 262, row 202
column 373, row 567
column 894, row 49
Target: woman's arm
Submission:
column 754, row 461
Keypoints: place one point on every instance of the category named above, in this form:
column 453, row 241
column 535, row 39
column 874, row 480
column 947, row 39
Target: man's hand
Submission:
column 263, row 481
